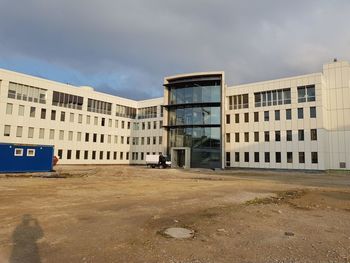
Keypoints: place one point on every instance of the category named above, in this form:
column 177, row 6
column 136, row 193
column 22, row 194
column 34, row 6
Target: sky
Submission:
column 126, row 48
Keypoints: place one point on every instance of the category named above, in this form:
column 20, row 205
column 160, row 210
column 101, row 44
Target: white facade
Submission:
column 80, row 136
column 316, row 137
column 96, row 128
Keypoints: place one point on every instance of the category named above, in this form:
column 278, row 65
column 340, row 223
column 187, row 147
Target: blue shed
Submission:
column 20, row 158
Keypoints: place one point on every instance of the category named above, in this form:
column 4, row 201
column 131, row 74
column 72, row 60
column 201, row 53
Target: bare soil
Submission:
column 119, row 213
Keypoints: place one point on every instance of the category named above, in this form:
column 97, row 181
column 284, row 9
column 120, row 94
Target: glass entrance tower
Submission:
column 193, row 119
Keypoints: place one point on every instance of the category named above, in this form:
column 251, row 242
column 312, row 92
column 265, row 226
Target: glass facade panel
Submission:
column 194, row 122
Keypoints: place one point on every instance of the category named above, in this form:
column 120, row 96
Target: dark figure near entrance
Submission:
column 24, row 237
column 162, row 161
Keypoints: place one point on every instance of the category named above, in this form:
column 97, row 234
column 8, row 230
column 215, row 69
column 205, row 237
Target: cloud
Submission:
column 127, row 47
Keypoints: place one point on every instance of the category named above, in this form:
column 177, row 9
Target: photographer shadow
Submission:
column 25, row 238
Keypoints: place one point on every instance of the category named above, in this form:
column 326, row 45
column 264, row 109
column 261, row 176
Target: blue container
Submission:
column 19, row 158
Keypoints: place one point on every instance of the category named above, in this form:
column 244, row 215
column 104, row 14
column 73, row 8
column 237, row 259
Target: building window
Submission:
column 246, row 137
column 94, row 137
column 228, row 119
column 289, row 157
column 88, row 119
column 69, row 154
column 313, row 133
column 267, row 136
column 86, row 137
column 314, row 157
column 101, row 155
column 86, row 155
column 278, row 157
column 108, row 155
column 277, row 136
column 109, row 140
column 142, row 156
column 61, row 135
column 246, row 117
column 127, row 156
column 300, row 113
column 71, row 117
column 256, row 157
column 266, row 116
column 237, row 118
column 77, row 154
column 288, row 114
column 239, row 102
column 70, row 136
column 21, row 110
column 93, row 155
column 32, row 112
column 147, row 112
column 60, row 154
column 7, row 130
column 267, row 157
column 228, row 138
column 142, row 140
column 301, row 157
column 63, row 116
column 154, row 125
column 102, row 138
column 300, row 135
column 95, row 120
column 26, row 93
column 80, row 118
column 289, row 135
column 41, row 133
column 246, row 157
column 228, row 159
column 43, row 114
column 312, row 112
column 272, row 97
column 160, row 139
column 53, row 115
column 31, row 132
column 256, row 116
column 277, row 115
column 103, row 122
column 52, row 134
column 237, row 137
column 236, row 157
column 99, row 106
column 67, row 100
column 114, row 155
column 306, row 93
column 256, row 136
column 19, row 131
column 9, row 108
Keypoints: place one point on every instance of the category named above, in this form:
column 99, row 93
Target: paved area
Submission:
column 119, row 214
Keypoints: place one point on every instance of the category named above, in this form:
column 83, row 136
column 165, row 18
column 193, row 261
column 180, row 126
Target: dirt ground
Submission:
column 119, row 213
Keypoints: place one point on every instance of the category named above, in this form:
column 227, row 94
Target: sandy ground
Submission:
column 118, row 214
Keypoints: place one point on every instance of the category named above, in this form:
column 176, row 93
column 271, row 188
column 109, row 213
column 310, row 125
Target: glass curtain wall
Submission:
column 195, row 120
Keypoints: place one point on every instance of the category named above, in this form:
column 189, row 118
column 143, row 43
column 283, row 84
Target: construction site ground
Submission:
column 119, row 214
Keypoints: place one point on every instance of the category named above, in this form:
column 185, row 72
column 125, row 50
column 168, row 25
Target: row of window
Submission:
column 26, row 93
column 288, row 135
column 272, row 97
column 67, row 100
column 277, row 115
column 267, row 157
column 72, row 116
column 78, row 137
column 100, row 155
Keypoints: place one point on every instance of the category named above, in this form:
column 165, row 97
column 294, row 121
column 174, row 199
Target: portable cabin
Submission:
column 23, row 158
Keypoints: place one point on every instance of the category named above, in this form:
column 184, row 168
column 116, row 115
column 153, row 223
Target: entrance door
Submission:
column 180, row 154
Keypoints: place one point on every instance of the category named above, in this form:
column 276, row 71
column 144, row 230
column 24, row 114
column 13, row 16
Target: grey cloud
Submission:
column 146, row 40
